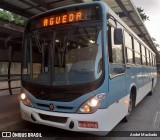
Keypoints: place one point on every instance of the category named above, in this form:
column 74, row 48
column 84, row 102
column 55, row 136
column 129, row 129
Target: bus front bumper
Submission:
column 90, row 123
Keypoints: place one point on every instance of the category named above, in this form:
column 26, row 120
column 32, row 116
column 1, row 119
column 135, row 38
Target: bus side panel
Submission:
column 117, row 95
column 154, row 71
column 148, row 75
column 116, row 112
column 131, row 72
column 117, row 88
column 142, row 92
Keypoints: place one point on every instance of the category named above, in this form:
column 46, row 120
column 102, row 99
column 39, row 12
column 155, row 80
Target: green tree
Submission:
column 153, row 39
column 19, row 19
column 156, row 44
column 143, row 15
column 5, row 15
column 12, row 17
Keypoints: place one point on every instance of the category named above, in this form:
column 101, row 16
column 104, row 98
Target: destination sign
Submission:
column 65, row 16
column 62, row 18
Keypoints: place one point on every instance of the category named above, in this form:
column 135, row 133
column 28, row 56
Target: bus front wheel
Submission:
column 151, row 92
column 130, row 108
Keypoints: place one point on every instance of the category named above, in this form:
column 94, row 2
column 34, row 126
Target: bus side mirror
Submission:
column 118, row 36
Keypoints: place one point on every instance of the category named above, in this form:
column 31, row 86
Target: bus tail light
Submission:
column 91, row 105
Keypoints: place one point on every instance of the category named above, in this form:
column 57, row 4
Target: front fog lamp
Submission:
column 91, row 105
column 26, row 101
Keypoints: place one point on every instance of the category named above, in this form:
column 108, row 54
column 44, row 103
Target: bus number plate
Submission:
column 85, row 124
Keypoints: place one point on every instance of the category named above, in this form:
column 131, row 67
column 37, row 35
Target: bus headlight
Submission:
column 23, row 96
column 91, row 105
column 26, row 101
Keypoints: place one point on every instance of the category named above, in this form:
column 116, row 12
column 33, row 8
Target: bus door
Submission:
column 117, row 77
column 130, row 66
column 148, row 74
column 138, row 62
column 146, row 70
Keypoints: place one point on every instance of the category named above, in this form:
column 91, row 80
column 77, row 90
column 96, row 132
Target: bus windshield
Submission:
column 64, row 55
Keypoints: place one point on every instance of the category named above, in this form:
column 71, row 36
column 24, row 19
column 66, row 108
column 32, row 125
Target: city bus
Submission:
column 83, row 69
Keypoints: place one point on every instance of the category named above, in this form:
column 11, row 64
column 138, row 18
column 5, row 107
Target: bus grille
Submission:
column 58, row 107
column 53, row 118
column 63, row 97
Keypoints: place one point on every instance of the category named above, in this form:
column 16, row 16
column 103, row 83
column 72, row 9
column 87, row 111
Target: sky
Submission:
column 152, row 9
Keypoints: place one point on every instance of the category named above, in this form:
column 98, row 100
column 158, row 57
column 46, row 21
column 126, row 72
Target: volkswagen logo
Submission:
column 51, row 106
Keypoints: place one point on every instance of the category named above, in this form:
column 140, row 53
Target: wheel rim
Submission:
column 152, row 89
column 130, row 106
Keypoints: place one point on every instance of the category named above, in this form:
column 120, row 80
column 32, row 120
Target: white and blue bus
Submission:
column 83, row 69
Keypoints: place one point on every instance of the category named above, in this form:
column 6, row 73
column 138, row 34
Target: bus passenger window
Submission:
column 147, row 54
column 143, row 55
column 129, row 48
column 155, row 62
column 151, row 59
column 129, row 56
column 137, row 52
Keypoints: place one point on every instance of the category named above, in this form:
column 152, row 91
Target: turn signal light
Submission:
column 86, row 108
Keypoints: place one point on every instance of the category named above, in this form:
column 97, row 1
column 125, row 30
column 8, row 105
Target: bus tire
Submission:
column 130, row 108
column 151, row 92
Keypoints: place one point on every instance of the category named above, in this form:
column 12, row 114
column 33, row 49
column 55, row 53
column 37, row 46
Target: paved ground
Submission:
column 145, row 117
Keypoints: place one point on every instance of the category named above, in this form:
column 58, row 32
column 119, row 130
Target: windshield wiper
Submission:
column 68, row 37
column 64, row 45
column 38, row 43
